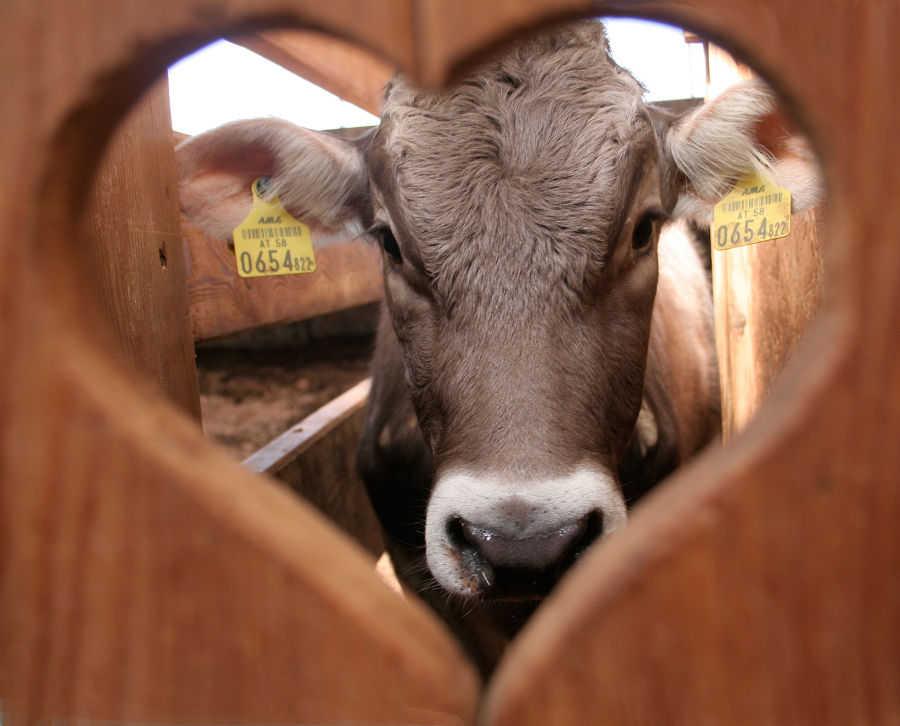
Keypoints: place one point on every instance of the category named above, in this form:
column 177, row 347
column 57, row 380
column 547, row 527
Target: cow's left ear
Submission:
column 319, row 177
column 739, row 132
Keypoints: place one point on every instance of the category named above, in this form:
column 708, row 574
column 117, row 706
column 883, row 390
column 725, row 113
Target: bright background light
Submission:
column 225, row 82
column 658, row 56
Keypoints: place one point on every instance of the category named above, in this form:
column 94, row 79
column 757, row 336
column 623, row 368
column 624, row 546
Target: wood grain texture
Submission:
column 348, row 273
column 767, row 296
column 344, row 69
column 145, row 577
column 157, row 580
column 132, row 251
column 757, row 586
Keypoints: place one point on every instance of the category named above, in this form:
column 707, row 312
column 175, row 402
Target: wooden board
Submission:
column 348, row 273
column 316, row 458
column 767, row 296
column 344, row 69
column 758, row 585
column 132, row 251
column 145, row 577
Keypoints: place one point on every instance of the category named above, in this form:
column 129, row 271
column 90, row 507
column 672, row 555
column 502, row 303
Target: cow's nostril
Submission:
column 592, row 530
column 455, row 533
column 471, row 558
column 533, row 552
column 524, row 567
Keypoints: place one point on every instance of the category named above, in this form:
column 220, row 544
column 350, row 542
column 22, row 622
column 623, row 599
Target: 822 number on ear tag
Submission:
column 270, row 241
column 756, row 210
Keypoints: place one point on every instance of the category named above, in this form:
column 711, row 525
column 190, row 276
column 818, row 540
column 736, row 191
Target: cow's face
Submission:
column 519, row 216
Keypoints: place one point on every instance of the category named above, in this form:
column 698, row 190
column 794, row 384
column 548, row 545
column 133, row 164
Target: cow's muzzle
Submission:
column 489, row 539
column 521, row 568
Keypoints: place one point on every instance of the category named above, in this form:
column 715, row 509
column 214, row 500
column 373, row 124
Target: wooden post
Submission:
column 144, row 576
column 757, row 586
column 765, row 294
column 132, row 249
column 344, row 69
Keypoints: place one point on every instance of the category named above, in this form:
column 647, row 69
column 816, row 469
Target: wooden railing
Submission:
column 144, row 576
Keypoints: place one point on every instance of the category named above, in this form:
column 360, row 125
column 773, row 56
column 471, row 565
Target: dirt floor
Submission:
column 248, row 397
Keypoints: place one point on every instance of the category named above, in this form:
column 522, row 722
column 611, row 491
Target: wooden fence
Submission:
column 146, row 577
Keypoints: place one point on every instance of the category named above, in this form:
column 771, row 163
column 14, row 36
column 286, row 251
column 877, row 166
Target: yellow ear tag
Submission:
column 270, row 241
column 756, row 210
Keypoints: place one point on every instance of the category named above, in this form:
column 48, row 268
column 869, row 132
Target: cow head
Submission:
column 519, row 213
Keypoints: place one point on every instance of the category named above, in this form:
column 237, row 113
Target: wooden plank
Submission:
column 348, row 273
column 766, row 295
column 317, row 459
column 297, row 440
column 758, row 586
column 145, row 577
column 731, row 292
column 132, row 251
column 346, row 70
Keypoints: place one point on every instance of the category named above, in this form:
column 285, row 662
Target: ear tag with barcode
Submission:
column 270, row 241
column 756, row 210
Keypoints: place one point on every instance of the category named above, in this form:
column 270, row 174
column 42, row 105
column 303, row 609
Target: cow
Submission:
column 546, row 352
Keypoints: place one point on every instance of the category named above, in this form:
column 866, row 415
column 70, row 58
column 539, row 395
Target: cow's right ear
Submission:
column 320, row 178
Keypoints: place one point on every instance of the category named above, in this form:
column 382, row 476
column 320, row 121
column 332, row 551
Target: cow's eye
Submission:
column 645, row 230
column 385, row 236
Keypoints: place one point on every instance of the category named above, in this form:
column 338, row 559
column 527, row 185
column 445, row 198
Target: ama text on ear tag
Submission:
column 270, row 241
column 756, row 210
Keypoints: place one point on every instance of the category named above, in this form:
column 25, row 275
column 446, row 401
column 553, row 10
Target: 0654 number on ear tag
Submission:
column 756, row 210
column 270, row 241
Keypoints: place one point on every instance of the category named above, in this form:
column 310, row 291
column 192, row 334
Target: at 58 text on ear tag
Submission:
column 270, row 241
column 756, row 210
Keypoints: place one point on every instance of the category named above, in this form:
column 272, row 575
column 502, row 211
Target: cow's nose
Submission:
column 510, row 567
